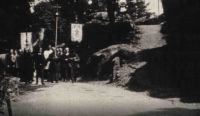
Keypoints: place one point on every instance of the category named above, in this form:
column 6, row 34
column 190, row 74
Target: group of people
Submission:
column 52, row 64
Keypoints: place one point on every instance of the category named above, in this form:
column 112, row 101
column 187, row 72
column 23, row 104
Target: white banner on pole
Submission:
column 23, row 40
column 76, row 32
column 41, row 34
column 26, row 40
column 29, row 40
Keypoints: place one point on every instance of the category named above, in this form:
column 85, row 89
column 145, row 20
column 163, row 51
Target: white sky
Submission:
column 153, row 6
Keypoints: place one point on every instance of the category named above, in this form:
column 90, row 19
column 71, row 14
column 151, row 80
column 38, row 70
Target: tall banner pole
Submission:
column 56, row 34
column 158, row 7
column 56, row 31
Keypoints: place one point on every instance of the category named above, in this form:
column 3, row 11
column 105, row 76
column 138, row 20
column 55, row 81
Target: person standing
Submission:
column 74, row 65
column 11, row 60
column 27, row 66
column 20, row 64
column 65, row 70
column 47, row 53
column 39, row 62
column 54, row 67
column 17, row 63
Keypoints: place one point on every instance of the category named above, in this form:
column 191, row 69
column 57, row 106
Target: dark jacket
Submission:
column 39, row 61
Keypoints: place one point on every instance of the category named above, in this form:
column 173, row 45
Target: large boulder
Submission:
column 100, row 63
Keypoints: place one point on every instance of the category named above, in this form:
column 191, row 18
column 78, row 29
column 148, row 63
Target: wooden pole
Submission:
column 9, row 106
column 56, row 31
column 158, row 7
column 56, row 34
column 111, row 10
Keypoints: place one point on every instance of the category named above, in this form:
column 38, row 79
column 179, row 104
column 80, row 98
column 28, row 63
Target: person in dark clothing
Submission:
column 17, row 63
column 39, row 65
column 65, row 65
column 27, row 67
column 8, row 63
column 11, row 62
column 54, row 67
column 74, row 65
column 20, row 65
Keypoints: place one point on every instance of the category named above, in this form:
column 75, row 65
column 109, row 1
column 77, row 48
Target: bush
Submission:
column 8, row 90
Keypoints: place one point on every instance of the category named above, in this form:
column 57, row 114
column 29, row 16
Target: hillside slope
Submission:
column 150, row 38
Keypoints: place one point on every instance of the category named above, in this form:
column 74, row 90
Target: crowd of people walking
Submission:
column 52, row 64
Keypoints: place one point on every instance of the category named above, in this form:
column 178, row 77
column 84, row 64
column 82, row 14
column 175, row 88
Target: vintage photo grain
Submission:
column 99, row 58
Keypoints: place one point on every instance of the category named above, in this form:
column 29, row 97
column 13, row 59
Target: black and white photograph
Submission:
column 99, row 57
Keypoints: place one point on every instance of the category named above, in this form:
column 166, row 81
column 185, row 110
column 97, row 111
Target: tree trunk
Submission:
column 111, row 10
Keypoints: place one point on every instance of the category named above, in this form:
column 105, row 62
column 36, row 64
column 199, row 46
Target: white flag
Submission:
column 29, row 40
column 23, row 40
column 76, row 32
column 26, row 40
column 41, row 34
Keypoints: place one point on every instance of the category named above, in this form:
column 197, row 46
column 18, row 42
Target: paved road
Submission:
column 81, row 99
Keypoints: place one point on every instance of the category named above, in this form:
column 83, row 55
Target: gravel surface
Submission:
column 90, row 99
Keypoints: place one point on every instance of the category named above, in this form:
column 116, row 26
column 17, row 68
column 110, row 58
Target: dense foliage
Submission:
column 14, row 18
column 8, row 92
column 138, row 10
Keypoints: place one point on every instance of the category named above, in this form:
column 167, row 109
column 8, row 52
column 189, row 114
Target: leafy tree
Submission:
column 14, row 18
column 45, row 17
column 138, row 9
column 135, row 9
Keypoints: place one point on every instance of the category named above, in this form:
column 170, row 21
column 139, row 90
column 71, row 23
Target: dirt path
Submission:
column 150, row 37
column 79, row 99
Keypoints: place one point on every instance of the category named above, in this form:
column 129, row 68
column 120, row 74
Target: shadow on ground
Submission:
column 170, row 112
column 171, row 70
